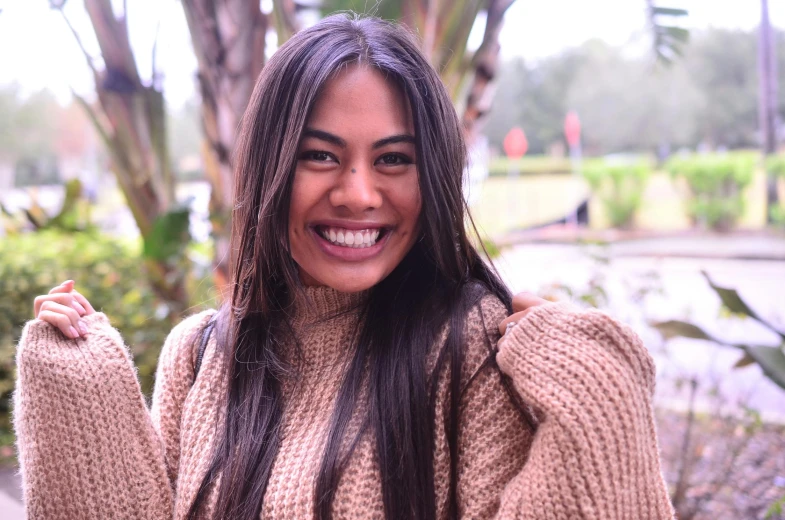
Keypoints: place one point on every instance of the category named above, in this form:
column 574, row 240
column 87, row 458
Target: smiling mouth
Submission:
column 351, row 238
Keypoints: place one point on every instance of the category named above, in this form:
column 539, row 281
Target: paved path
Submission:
column 10, row 496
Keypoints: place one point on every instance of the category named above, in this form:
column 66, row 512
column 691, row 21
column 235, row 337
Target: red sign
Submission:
column 572, row 129
column 515, row 143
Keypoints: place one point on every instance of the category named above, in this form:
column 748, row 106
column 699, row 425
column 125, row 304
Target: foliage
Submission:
column 620, row 188
column 771, row 359
column 73, row 214
column 775, row 165
column 28, row 132
column 716, row 184
column 536, row 165
column 625, row 102
column 668, row 40
column 108, row 271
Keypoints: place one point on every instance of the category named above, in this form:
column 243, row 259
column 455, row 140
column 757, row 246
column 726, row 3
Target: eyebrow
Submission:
column 334, row 139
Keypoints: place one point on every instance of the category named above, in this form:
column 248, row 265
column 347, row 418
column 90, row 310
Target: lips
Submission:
column 367, row 239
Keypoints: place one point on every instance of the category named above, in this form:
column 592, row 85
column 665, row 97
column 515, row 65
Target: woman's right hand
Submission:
column 63, row 307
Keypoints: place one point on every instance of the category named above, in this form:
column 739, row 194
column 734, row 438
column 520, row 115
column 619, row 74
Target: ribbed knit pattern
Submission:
column 89, row 448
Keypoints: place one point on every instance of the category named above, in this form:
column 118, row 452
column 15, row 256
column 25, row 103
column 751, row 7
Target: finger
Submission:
column 514, row 318
column 64, row 287
column 524, row 300
column 61, row 298
column 60, row 321
column 69, row 312
column 83, row 302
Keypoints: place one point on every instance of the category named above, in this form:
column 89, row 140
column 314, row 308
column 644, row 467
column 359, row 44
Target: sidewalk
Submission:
column 738, row 245
column 10, row 495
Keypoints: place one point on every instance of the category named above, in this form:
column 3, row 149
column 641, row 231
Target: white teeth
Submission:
column 350, row 238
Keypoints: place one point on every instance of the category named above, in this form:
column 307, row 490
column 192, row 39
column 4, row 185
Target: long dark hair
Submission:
column 436, row 284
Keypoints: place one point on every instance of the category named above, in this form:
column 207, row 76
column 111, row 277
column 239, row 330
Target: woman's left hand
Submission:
column 522, row 304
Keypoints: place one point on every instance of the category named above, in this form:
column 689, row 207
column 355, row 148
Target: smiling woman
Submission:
column 358, row 370
column 355, row 204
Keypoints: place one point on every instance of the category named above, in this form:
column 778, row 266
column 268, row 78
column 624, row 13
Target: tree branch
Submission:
column 59, row 7
column 153, row 73
column 99, row 127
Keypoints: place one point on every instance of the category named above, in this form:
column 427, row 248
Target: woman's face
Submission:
column 356, row 198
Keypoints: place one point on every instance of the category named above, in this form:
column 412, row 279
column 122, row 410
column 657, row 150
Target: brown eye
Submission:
column 393, row 159
column 317, row 156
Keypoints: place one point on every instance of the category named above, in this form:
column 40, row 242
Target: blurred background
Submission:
column 626, row 154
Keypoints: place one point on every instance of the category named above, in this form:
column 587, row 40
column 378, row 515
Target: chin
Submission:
column 352, row 284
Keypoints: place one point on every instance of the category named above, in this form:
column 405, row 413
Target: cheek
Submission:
column 411, row 205
column 304, row 196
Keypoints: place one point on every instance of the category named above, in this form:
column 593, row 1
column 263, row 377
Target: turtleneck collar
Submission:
column 315, row 304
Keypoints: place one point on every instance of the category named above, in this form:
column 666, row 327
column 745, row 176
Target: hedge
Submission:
column 107, row 271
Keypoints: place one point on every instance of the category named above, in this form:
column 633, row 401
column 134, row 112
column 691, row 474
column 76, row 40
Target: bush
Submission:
column 775, row 166
column 537, row 165
column 620, row 188
column 716, row 184
column 106, row 270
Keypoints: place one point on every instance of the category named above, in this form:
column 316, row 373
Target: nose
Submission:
column 356, row 190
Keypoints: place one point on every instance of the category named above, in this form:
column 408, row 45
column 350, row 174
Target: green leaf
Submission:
column 744, row 360
column 675, row 328
column 731, row 299
column 669, row 11
column 170, row 235
column 776, row 508
column 677, row 33
column 771, row 360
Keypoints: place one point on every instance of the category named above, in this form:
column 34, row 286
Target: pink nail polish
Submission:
column 82, row 327
column 73, row 332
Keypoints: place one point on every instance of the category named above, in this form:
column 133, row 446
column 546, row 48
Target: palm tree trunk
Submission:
column 130, row 119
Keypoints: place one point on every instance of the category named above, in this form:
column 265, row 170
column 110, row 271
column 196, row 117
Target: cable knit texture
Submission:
column 89, row 448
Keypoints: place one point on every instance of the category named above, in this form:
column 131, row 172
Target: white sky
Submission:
column 37, row 50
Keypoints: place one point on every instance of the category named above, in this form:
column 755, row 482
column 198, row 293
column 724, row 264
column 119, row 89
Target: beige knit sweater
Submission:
column 90, row 448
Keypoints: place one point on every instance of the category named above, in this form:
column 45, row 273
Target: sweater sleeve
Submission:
column 88, row 447
column 595, row 453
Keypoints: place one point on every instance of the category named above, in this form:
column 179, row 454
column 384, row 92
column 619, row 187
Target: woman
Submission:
column 357, row 371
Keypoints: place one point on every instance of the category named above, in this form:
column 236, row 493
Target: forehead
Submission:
column 362, row 97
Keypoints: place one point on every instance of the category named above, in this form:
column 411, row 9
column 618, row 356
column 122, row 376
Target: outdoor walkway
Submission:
column 10, row 496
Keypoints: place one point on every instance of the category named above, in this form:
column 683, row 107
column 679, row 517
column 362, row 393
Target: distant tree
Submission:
column 27, row 124
column 722, row 64
column 533, row 97
column 625, row 104
column 632, row 104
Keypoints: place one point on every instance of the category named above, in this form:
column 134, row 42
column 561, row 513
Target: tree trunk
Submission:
column 228, row 37
column 767, row 102
column 130, row 118
column 484, row 65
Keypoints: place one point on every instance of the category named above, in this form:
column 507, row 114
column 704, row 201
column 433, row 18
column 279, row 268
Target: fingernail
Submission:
column 79, row 308
column 73, row 332
column 82, row 327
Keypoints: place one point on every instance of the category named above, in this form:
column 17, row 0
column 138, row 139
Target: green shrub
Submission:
column 716, row 184
column 108, row 271
column 537, row 165
column 620, row 188
column 775, row 165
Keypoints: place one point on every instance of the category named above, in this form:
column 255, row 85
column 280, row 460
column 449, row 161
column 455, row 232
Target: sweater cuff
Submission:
column 42, row 341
